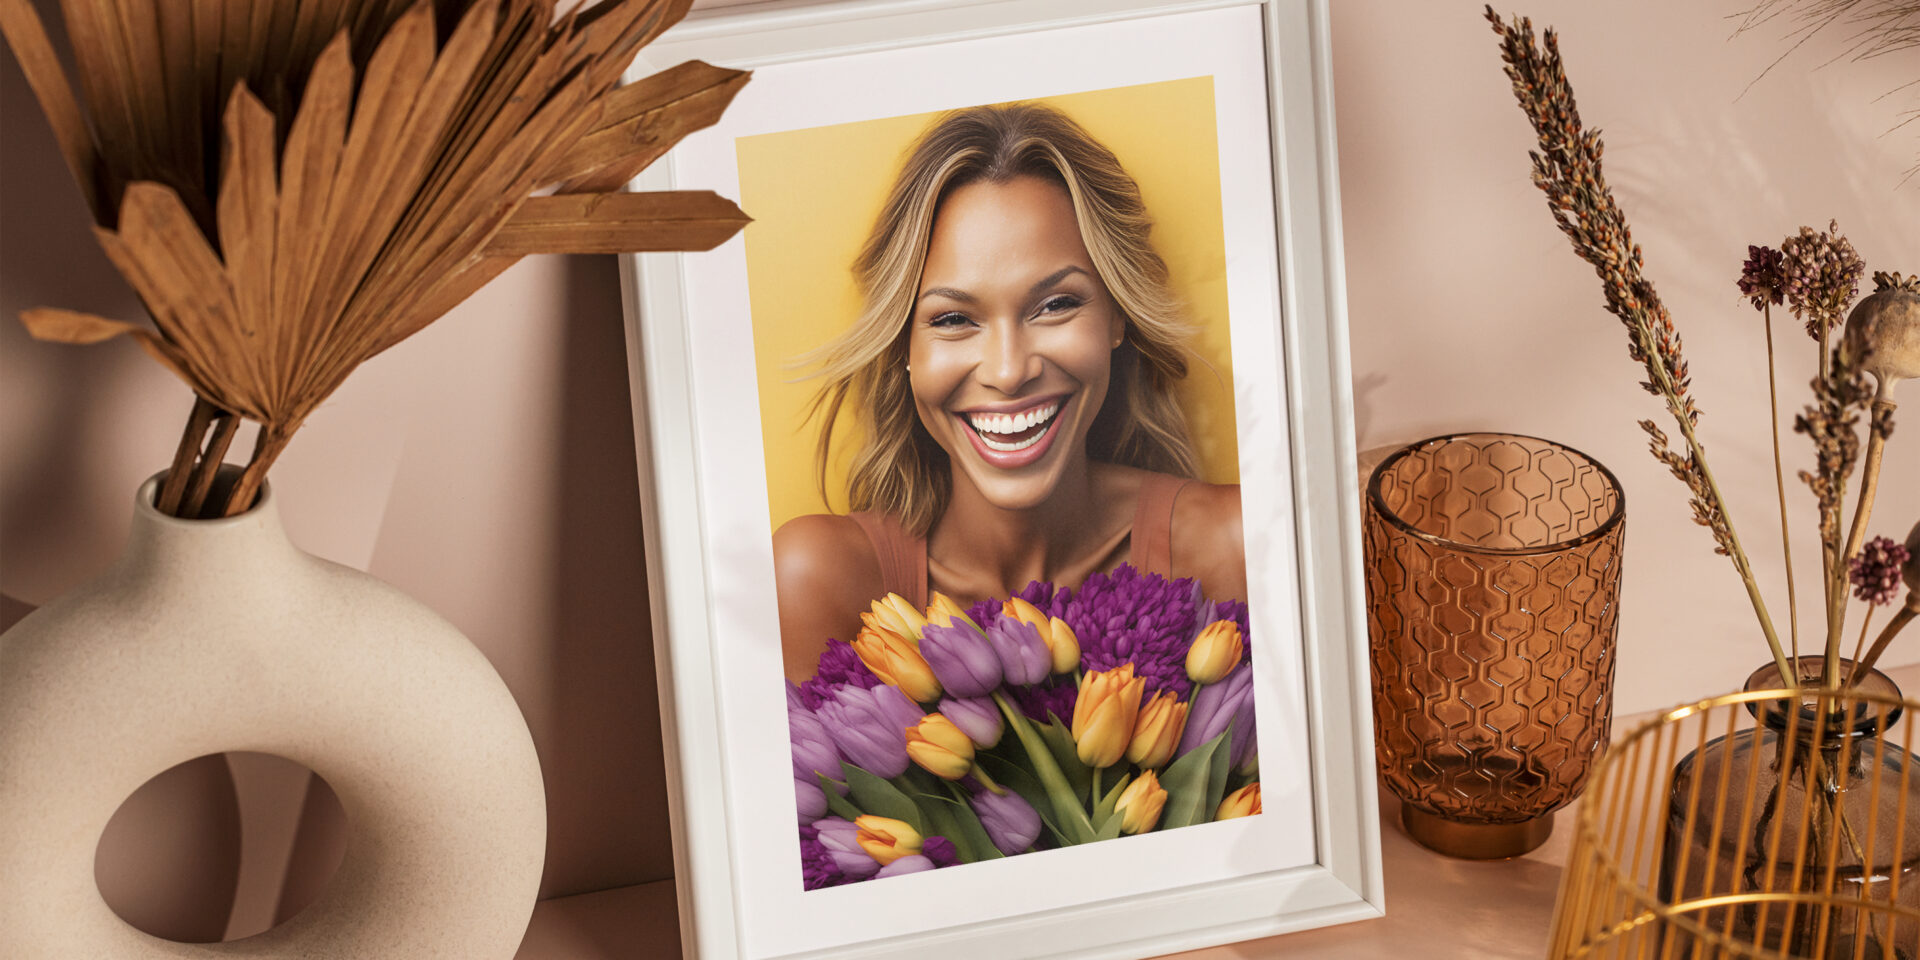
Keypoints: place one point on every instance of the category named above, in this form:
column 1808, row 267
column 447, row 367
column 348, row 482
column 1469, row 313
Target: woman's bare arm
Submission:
column 826, row 574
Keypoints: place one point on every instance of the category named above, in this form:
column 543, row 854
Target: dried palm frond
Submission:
column 293, row 186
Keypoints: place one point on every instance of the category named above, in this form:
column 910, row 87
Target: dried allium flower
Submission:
column 1822, row 274
column 1760, row 279
column 1875, row 573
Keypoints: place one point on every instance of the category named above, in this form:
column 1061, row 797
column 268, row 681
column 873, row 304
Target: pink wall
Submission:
column 486, row 466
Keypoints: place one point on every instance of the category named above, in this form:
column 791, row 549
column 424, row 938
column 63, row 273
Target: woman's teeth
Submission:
column 1017, row 431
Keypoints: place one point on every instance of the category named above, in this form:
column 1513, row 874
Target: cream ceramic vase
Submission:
column 220, row 635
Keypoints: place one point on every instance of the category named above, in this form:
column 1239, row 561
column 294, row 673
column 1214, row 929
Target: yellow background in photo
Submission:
column 814, row 194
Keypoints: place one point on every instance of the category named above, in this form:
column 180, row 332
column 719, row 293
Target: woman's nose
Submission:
column 1010, row 362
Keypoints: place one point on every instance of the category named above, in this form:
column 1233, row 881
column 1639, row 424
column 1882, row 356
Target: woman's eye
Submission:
column 1060, row 304
column 948, row 320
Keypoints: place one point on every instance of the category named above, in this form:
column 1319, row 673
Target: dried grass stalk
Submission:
column 293, row 186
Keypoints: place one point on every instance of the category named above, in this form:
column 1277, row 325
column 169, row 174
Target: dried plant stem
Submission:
column 1780, row 486
column 174, row 487
column 1860, row 643
column 273, row 439
column 1856, row 536
column 1567, row 168
column 1901, row 618
column 1740, row 562
column 225, row 425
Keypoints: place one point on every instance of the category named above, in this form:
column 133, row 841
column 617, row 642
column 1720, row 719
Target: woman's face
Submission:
column 1012, row 338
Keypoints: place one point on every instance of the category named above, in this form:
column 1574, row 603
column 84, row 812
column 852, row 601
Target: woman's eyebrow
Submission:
column 950, row 293
column 1051, row 279
column 964, row 297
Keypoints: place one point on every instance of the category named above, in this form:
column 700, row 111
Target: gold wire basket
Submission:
column 1768, row 823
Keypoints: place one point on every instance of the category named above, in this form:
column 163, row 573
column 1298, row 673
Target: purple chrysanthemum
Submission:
column 941, row 851
column 1054, row 697
column 839, row 666
column 1146, row 620
column 1875, row 573
column 1760, row 279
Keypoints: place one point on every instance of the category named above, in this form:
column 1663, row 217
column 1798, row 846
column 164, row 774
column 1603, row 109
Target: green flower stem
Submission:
column 1073, row 820
column 980, row 774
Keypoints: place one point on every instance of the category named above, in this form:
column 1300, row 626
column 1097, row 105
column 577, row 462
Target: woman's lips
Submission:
column 1034, row 449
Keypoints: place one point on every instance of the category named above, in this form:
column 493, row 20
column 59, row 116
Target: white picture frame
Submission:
column 1290, row 347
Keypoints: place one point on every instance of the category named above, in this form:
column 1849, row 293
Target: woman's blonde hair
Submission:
column 898, row 467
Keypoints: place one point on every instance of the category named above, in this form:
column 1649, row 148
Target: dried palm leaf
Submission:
column 293, row 186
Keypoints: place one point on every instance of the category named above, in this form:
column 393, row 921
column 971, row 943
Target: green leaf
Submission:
column 837, row 805
column 1217, row 777
column 1065, row 753
column 1187, row 782
column 1109, row 830
column 967, row 823
column 1112, row 799
column 1022, row 781
column 883, row 799
column 1069, row 814
column 941, row 822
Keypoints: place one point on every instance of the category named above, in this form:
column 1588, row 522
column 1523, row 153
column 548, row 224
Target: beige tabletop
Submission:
column 1437, row 908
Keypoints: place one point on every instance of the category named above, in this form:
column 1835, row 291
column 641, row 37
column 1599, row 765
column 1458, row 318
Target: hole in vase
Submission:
column 220, row 848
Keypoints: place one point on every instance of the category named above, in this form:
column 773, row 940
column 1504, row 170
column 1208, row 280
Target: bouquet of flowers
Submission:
column 1057, row 717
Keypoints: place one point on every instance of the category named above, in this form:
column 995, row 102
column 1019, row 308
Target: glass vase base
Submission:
column 1475, row 841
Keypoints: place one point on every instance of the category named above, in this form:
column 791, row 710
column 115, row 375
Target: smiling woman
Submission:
column 1011, row 378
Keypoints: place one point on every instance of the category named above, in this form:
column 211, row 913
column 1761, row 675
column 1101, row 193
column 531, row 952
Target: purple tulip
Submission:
column 1012, row 823
column 1024, row 657
column 1218, row 705
column 809, row 799
column 908, row 864
column 962, row 659
column 830, row 854
column 978, row 718
column 870, row 727
column 813, row 748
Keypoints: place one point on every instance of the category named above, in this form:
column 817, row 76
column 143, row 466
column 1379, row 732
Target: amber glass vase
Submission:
column 1493, row 577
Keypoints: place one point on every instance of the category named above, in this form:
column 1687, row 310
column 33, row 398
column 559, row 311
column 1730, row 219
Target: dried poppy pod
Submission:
column 1910, row 571
column 1885, row 326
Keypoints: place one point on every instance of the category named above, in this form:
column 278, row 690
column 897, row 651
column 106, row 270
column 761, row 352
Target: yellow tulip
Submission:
column 1244, row 802
column 1025, row 613
column 1064, row 646
column 1104, row 716
column 945, row 611
column 886, row 840
column 941, row 747
column 1140, row 804
column 1157, row 732
column 901, row 617
column 898, row 662
column 1215, row 652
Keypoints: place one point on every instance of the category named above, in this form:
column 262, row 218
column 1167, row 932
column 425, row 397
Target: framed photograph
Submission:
column 1001, row 500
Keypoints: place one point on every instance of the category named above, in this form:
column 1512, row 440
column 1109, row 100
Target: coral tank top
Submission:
column 903, row 556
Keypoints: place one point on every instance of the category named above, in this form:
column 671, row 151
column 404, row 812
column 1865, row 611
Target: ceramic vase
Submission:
column 219, row 635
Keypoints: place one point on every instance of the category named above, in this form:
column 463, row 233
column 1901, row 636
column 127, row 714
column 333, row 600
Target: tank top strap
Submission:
column 1151, row 550
column 902, row 556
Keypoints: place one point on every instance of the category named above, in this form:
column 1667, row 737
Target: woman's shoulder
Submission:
column 1208, row 540
column 817, row 550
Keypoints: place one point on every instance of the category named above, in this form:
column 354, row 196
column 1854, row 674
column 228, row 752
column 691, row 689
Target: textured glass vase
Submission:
column 1493, row 577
